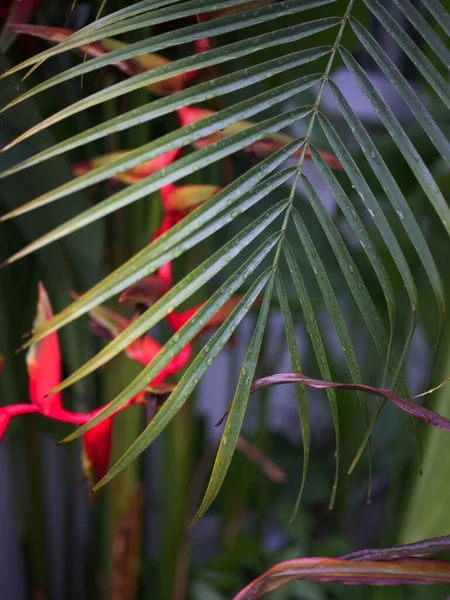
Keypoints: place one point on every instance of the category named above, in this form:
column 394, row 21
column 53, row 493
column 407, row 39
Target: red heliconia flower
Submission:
column 178, row 201
column 177, row 320
column 44, row 372
column 108, row 323
column 7, row 412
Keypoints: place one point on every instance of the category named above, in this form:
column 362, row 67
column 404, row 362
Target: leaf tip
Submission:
column 69, row 438
column 222, row 419
column 11, row 144
column 97, row 487
column 195, row 519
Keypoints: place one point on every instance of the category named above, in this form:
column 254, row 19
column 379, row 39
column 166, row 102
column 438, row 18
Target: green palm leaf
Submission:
column 158, row 108
column 266, row 65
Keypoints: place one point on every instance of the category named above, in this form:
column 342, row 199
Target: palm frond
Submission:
column 278, row 229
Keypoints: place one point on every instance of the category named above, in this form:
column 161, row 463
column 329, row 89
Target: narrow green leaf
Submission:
column 313, row 330
column 185, row 166
column 419, row 59
column 123, row 13
column 250, row 185
column 188, row 381
column 439, row 13
column 235, row 418
column 373, row 207
column 182, row 291
column 300, row 391
column 380, row 221
column 394, row 193
column 353, row 278
column 118, row 25
column 361, row 296
column 376, row 415
column 127, row 12
column 164, row 15
column 222, row 24
column 330, row 302
column 182, row 337
column 425, row 29
column 163, row 106
column 360, row 232
column 404, row 144
column 413, row 102
column 398, row 202
column 174, row 140
column 178, row 67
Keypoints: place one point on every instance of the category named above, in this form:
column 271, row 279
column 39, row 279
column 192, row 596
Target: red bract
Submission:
column 143, row 350
column 44, row 369
column 178, row 201
column 44, row 374
column 11, row 411
column 44, row 362
column 177, row 320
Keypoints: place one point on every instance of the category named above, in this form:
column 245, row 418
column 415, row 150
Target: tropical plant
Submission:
column 243, row 220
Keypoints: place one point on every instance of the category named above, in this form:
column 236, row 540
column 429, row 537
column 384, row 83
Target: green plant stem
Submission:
column 177, row 465
column 116, row 525
column 174, row 494
column 118, row 495
column 36, row 527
